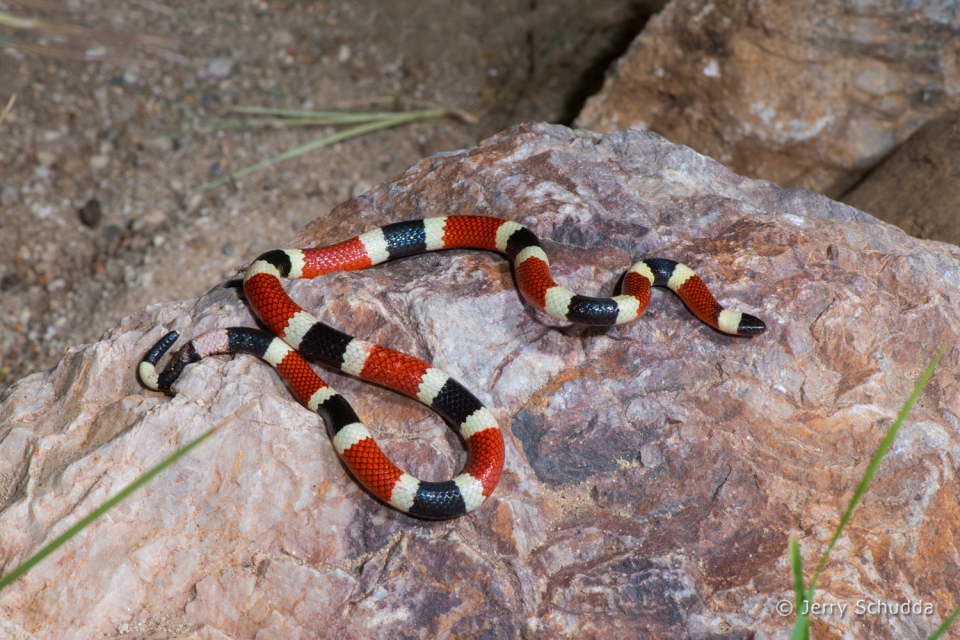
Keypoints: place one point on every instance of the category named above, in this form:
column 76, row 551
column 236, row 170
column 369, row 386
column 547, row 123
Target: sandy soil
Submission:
column 82, row 129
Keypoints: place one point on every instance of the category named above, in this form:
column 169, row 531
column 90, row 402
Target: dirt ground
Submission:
column 89, row 103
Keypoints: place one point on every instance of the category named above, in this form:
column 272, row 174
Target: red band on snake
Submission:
column 295, row 335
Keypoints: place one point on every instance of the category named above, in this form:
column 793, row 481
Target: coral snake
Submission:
column 294, row 335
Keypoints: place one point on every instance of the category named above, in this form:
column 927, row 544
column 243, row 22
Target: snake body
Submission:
column 293, row 334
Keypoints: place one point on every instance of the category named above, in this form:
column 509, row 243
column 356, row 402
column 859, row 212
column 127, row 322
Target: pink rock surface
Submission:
column 654, row 471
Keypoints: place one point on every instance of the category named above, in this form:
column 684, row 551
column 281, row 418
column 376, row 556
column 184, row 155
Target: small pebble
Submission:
column 46, row 158
column 282, row 38
column 194, row 202
column 10, row 281
column 91, row 214
column 9, row 196
column 110, row 233
column 220, row 67
column 150, row 221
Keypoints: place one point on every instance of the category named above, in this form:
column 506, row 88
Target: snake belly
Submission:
column 294, row 335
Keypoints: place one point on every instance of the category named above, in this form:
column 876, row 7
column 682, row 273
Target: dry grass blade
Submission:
column 368, row 126
column 157, row 45
column 281, row 118
column 6, row 109
column 38, row 4
column 352, row 117
column 65, row 29
column 323, row 117
column 238, row 123
column 155, row 6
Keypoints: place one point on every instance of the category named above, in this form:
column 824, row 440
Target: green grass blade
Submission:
column 946, row 625
column 875, row 463
column 397, row 119
column 801, row 629
column 99, row 511
column 796, row 562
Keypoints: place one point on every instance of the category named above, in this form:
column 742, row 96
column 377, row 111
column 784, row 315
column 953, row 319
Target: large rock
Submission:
column 655, row 471
column 806, row 95
column 917, row 187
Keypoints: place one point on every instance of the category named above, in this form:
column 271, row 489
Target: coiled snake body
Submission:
column 294, row 335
